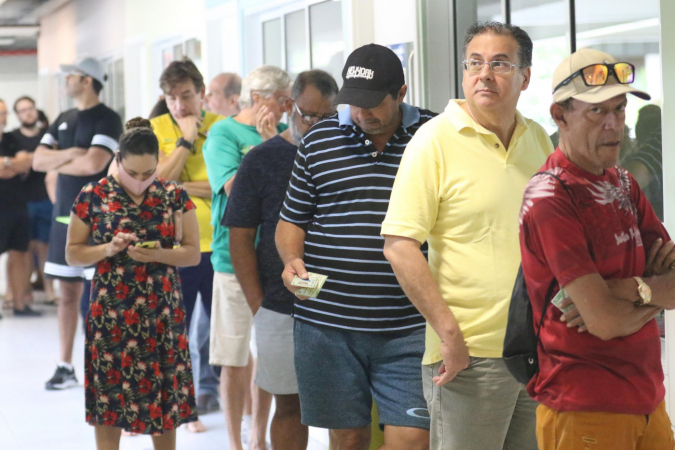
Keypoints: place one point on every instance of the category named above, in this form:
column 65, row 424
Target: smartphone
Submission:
column 146, row 244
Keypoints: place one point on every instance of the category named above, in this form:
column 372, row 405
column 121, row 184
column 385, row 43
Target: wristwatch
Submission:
column 183, row 143
column 644, row 291
column 7, row 161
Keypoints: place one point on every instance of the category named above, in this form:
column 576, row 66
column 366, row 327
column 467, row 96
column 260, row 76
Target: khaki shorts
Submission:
column 482, row 408
column 231, row 321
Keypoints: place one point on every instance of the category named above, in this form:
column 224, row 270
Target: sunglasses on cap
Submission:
column 598, row 74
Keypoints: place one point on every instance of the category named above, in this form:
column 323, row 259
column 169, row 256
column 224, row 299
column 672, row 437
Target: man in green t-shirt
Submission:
column 262, row 100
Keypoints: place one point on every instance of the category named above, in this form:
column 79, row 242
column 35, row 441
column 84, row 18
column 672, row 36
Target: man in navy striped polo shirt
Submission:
column 360, row 337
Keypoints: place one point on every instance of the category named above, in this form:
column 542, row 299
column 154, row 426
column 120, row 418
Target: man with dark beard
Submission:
column 255, row 201
column 26, row 138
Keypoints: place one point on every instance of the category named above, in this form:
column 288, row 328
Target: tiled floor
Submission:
column 32, row 418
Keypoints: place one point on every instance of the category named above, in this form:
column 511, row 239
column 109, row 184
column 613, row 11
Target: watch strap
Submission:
column 183, row 143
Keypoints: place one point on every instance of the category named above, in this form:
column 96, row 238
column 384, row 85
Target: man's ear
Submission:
column 234, row 99
column 402, row 92
column 558, row 116
column 527, row 75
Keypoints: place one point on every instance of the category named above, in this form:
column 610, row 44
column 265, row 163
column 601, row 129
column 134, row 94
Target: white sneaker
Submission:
column 246, row 423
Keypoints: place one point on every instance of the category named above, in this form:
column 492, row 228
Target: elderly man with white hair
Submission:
column 263, row 99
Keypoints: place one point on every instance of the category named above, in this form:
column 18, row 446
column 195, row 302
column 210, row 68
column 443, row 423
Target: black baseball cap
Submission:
column 370, row 73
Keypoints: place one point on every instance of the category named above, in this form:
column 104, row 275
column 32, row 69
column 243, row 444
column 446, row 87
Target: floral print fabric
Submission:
column 138, row 373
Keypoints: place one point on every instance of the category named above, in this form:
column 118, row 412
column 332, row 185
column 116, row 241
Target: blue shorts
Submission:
column 40, row 213
column 341, row 371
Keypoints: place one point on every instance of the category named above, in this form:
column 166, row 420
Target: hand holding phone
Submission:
column 147, row 244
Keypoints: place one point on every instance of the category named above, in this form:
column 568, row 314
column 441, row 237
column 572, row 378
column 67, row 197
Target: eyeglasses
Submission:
column 310, row 119
column 598, row 74
column 476, row 65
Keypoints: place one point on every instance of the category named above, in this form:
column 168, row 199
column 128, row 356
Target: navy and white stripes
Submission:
column 340, row 191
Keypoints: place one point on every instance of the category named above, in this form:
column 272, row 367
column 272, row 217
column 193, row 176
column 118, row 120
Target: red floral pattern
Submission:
column 138, row 373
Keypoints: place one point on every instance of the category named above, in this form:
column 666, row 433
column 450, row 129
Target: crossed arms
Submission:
column 76, row 161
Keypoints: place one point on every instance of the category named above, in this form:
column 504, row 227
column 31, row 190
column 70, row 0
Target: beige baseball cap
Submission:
column 577, row 88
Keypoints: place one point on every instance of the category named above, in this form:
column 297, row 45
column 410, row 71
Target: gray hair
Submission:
column 520, row 35
column 266, row 80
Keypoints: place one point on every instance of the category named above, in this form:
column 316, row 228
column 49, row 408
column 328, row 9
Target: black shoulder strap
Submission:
column 549, row 293
column 562, row 183
column 547, row 301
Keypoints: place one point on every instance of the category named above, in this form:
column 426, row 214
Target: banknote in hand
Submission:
column 311, row 286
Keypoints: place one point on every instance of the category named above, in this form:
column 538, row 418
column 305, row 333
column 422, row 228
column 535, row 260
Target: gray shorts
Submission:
column 482, row 408
column 274, row 339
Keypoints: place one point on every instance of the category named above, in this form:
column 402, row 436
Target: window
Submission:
column 489, row 11
column 297, row 57
column 301, row 39
column 113, row 89
column 546, row 22
column 272, row 43
column 326, row 38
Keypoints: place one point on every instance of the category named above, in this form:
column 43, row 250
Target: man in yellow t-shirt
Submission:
column 181, row 134
column 459, row 187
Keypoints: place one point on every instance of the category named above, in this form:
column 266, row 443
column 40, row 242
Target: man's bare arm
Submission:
column 607, row 313
column 415, row 277
column 47, row 159
column 201, row 189
column 245, row 263
column 95, row 160
column 290, row 241
column 19, row 164
column 228, row 185
column 170, row 167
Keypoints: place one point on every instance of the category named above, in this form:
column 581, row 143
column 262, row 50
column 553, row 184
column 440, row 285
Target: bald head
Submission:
column 223, row 94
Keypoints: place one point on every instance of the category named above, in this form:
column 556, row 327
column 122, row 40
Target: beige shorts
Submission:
column 231, row 321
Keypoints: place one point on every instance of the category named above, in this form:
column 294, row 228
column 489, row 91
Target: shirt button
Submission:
column 374, row 154
column 368, row 142
column 496, row 145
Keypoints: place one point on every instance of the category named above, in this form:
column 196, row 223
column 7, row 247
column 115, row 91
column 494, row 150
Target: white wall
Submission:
column 18, row 77
column 149, row 24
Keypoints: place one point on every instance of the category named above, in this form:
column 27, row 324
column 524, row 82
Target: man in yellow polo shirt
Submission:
column 459, row 187
column 181, row 134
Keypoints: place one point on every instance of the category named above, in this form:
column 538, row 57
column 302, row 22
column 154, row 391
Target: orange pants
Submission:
column 567, row 430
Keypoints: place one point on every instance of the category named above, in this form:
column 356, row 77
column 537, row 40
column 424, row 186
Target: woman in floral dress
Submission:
column 138, row 374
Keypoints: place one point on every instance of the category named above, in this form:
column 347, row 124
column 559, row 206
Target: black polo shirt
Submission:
column 339, row 191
